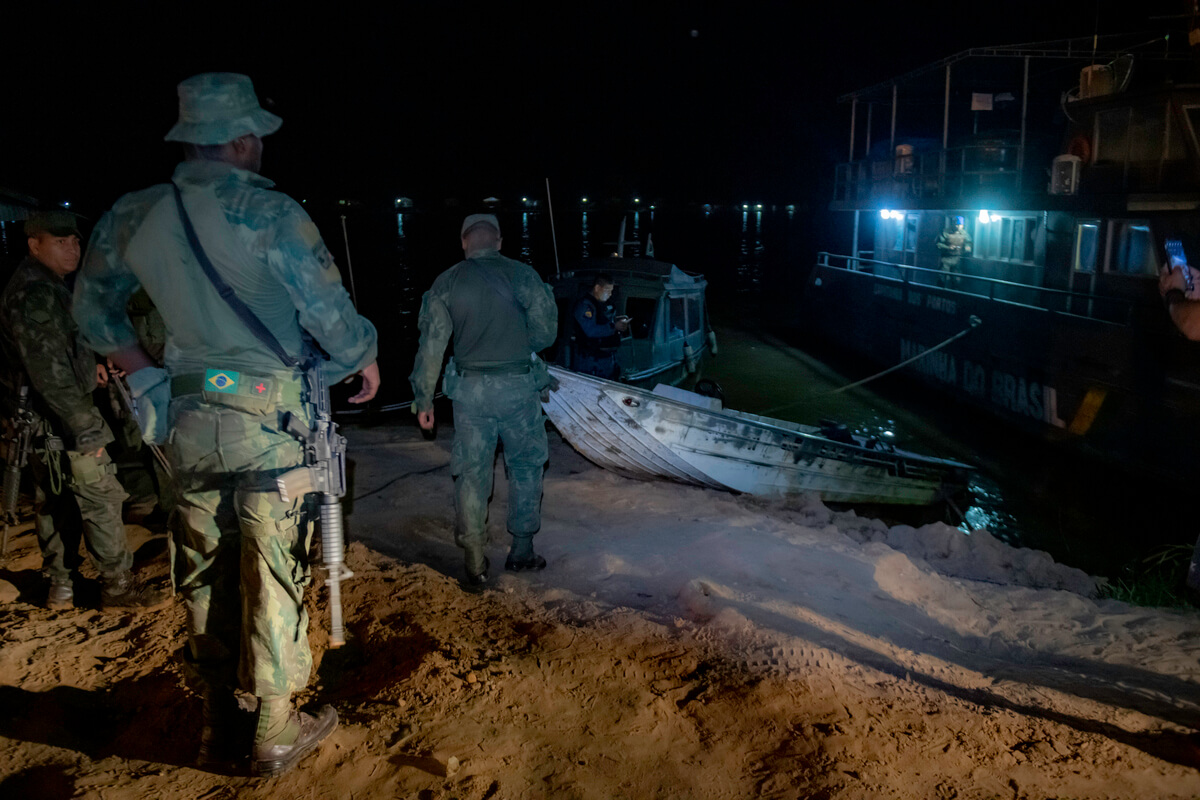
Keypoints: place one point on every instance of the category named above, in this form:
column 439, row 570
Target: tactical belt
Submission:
column 499, row 369
column 219, row 386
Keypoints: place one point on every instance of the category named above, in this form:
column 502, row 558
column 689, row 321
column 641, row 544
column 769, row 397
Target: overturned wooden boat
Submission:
column 687, row 437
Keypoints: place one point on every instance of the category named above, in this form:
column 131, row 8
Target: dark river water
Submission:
column 756, row 261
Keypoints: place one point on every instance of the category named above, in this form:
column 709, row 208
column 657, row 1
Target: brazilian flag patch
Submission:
column 220, row 380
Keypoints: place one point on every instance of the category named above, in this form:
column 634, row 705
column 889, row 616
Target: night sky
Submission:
column 682, row 101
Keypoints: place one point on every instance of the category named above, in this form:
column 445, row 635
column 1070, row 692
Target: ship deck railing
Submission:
column 1114, row 310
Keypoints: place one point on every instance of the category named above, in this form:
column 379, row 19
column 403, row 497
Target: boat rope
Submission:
column 974, row 321
column 351, row 412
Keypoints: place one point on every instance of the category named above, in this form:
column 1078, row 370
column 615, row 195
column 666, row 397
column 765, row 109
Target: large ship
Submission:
column 1068, row 164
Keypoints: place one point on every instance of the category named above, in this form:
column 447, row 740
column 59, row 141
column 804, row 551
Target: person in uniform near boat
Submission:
column 953, row 243
column 77, row 495
column 241, row 551
column 499, row 313
column 1183, row 306
column 597, row 331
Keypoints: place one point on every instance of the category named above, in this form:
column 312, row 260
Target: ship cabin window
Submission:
column 677, row 321
column 1112, row 142
column 1087, row 245
column 641, row 312
column 1193, row 118
column 1135, row 251
column 904, row 238
column 693, row 315
column 1007, row 238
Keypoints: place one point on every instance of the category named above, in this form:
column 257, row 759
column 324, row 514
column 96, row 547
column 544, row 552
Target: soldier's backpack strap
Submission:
column 248, row 317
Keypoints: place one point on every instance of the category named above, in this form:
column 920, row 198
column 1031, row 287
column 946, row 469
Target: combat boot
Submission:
column 120, row 590
column 475, row 567
column 279, row 747
column 521, row 556
column 60, row 597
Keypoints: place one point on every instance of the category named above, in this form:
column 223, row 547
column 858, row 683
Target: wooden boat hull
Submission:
column 640, row 434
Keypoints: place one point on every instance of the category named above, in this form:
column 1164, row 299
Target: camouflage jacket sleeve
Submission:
column 102, row 289
column 541, row 314
column 45, row 337
column 300, row 260
column 436, row 327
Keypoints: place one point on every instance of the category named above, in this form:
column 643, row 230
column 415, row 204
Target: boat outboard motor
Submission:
column 836, row 431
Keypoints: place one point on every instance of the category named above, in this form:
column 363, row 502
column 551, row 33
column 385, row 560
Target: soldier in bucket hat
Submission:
column 241, row 552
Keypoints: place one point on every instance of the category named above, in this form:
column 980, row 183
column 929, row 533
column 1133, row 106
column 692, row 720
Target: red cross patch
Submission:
column 260, row 388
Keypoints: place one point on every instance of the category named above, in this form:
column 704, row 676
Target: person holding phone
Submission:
column 597, row 331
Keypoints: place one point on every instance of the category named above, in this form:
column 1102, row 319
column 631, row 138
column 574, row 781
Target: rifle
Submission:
column 324, row 471
column 127, row 399
column 16, row 456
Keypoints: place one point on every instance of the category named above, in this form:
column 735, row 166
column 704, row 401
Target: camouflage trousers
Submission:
column 241, row 553
column 488, row 408
column 87, row 506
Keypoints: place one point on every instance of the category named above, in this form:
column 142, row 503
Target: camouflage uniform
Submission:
column 952, row 244
column 242, row 556
column 490, row 381
column 42, row 336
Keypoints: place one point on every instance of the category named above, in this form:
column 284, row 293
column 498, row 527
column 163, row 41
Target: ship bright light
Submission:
column 985, row 217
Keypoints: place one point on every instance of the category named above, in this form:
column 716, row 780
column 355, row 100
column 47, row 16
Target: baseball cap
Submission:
column 475, row 220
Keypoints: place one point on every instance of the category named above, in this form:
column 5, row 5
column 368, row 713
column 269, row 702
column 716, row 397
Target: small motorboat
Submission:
column 688, row 437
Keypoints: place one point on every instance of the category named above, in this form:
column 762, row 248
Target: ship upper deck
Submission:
column 1048, row 125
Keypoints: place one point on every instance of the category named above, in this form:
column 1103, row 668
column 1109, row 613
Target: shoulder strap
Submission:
column 248, row 317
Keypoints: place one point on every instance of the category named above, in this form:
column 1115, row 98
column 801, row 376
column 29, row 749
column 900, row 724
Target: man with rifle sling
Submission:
column 248, row 291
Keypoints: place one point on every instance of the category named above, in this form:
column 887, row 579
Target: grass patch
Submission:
column 1159, row 580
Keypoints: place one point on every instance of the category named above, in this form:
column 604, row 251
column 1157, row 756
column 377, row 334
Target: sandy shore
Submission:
column 682, row 643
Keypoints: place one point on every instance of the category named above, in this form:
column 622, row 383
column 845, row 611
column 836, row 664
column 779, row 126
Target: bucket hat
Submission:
column 218, row 107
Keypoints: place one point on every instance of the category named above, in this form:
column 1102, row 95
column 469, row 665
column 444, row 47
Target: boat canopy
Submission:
column 669, row 275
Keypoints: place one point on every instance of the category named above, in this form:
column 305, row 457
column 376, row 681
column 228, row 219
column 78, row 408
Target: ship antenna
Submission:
column 553, row 235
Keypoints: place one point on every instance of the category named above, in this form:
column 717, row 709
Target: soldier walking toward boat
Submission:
column 77, row 494
column 499, row 313
column 242, row 550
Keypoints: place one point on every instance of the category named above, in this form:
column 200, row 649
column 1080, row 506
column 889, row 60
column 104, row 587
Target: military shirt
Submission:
column 488, row 326
column 40, row 331
column 278, row 265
